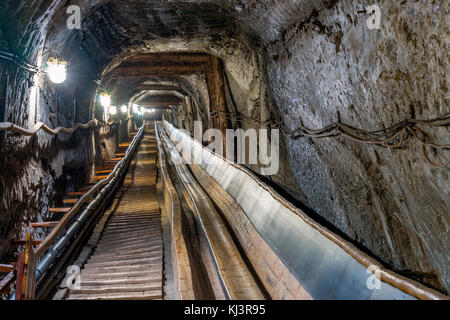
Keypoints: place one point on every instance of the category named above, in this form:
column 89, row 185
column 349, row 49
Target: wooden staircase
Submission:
column 128, row 260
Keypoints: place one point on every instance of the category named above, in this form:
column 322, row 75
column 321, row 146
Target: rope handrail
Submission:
column 394, row 136
column 5, row 126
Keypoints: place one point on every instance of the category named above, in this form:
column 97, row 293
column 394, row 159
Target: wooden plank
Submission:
column 6, row 267
column 124, row 144
column 19, row 278
column 160, row 88
column 84, row 189
column 70, row 201
column 59, row 210
column 6, row 282
column 98, row 178
column 145, row 71
column 123, row 153
column 103, row 171
column 49, row 224
column 24, row 242
column 76, row 193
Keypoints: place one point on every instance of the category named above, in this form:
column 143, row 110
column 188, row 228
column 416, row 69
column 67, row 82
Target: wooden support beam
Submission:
column 161, row 104
column 146, row 71
column 85, row 189
column 166, row 57
column 48, row 224
column 159, row 88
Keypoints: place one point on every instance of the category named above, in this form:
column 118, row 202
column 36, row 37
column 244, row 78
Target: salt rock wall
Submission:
column 331, row 67
column 37, row 172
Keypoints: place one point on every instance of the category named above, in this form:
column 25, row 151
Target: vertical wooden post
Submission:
column 216, row 86
column 30, row 269
column 19, row 278
column 26, row 272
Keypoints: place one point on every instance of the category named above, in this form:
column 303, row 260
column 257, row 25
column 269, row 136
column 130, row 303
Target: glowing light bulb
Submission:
column 105, row 100
column 113, row 110
column 124, row 109
column 57, row 70
column 135, row 108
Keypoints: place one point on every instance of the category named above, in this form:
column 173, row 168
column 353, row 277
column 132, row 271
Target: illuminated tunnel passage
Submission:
column 223, row 150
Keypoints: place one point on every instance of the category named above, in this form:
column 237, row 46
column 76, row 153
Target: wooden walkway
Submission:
column 128, row 260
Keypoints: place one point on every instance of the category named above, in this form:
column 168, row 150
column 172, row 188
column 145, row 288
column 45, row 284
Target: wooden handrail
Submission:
column 6, row 282
column 6, row 268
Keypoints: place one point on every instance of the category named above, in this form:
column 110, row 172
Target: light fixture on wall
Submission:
column 56, row 69
column 112, row 110
column 105, row 100
column 124, row 109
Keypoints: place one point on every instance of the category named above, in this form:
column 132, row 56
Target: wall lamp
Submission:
column 105, row 100
column 56, row 69
column 113, row 110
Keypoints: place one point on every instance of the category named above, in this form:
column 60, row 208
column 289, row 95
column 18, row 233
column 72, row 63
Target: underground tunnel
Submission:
column 224, row 150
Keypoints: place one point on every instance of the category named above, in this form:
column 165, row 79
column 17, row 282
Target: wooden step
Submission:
column 130, row 236
column 59, row 210
column 118, row 288
column 150, row 295
column 98, row 178
column 76, row 193
column 107, row 247
column 95, row 281
column 98, row 172
column 121, row 269
column 121, row 244
column 120, row 252
column 129, row 247
column 124, row 263
column 115, row 257
column 70, row 201
column 49, row 224
column 89, row 274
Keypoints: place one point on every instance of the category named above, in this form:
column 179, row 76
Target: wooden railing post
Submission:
column 30, row 274
column 26, row 272
column 20, row 275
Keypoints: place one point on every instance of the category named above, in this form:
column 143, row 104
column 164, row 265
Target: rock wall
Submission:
column 37, row 172
column 331, row 67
